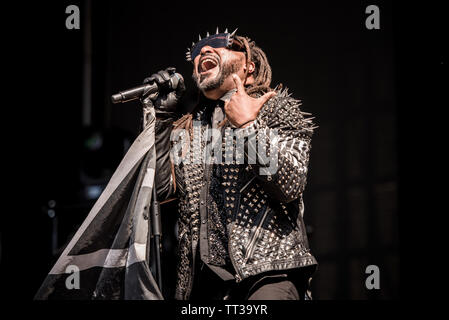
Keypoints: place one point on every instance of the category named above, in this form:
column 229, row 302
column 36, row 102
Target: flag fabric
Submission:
column 108, row 257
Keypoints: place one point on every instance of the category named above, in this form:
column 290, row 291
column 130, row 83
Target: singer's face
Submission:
column 213, row 68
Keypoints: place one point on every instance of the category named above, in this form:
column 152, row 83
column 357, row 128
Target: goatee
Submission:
column 225, row 71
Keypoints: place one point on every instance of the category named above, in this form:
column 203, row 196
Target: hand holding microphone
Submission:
column 162, row 90
column 171, row 87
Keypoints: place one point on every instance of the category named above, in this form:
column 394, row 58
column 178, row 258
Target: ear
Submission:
column 251, row 67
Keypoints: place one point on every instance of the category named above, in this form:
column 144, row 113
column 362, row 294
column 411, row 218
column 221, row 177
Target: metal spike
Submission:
column 207, row 35
column 226, row 30
column 216, row 32
column 193, row 44
column 199, row 37
column 233, row 32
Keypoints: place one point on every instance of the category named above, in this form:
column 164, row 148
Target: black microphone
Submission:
column 145, row 89
column 134, row 93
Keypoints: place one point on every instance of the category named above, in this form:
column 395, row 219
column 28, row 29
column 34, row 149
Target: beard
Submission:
column 226, row 69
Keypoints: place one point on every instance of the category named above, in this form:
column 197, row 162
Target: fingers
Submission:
column 226, row 105
column 238, row 83
column 164, row 76
column 180, row 86
column 160, row 77
column 267, row 96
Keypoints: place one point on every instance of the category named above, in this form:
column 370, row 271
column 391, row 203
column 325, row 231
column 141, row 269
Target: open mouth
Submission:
column 207, row 63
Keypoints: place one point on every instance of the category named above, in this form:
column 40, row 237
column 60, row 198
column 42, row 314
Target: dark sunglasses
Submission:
column 237, row 46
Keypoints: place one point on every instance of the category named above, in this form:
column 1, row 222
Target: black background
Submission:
column 377, row 96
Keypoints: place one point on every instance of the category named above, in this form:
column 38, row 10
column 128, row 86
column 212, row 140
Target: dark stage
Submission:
column 348, row 77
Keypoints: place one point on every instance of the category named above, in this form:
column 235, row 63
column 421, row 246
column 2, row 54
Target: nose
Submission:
column 206, row 49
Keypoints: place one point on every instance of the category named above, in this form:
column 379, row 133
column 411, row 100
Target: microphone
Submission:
column 145, row 89
column 134, row 93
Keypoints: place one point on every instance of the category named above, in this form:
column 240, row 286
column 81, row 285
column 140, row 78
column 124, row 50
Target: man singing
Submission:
column 237, row 165
column 241, row 233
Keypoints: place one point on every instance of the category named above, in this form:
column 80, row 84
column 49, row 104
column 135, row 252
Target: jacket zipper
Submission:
column 251, row 246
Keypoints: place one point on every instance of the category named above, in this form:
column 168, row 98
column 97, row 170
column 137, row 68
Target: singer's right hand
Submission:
column 171, row 87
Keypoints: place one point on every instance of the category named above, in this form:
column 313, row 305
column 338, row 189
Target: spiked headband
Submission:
column 217, row 40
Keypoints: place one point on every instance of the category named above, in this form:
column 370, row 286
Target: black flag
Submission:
column 108, row 258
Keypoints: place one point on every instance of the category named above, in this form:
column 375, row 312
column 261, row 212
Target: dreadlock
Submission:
column 261, row 75
column 262, row 70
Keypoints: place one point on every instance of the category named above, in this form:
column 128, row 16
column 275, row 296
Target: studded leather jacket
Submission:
column 262, row 209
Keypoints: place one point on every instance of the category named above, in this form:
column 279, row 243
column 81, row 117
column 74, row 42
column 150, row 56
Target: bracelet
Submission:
column 246, row 122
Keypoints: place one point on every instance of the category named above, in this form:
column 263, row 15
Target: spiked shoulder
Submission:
column 284, row 112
